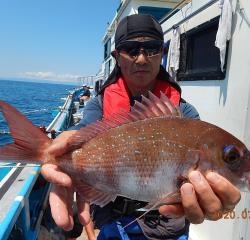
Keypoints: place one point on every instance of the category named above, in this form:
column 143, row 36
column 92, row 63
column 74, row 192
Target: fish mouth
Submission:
column 244, row 184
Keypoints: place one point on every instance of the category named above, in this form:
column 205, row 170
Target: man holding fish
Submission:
column 139, row 51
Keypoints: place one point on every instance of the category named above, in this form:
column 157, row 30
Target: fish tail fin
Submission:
column 30, row 142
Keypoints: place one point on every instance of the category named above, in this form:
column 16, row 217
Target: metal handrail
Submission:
column 91, row 78
column 191, row 15
column 173, row 10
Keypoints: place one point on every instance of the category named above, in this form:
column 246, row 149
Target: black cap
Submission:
column 138, row 25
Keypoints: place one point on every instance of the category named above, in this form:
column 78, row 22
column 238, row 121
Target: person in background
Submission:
column 139, row 49
column 85, row 95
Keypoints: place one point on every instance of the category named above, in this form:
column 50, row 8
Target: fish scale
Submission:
column 129, row 154
column 164, row 154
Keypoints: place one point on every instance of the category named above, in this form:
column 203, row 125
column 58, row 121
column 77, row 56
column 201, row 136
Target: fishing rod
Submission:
column 45, row 132
column 52, row 132
column 40, row 110
column 48, row 109
column 30, row 165
column 50, row 95
column 43, row 129
column 45, row 97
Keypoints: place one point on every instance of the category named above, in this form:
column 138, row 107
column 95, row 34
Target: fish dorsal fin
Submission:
column 148, row 108
column 155, row 107
column 150, row 105
column 87, row 133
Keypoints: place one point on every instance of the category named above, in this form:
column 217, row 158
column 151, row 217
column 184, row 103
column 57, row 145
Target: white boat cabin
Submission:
column 221, row 97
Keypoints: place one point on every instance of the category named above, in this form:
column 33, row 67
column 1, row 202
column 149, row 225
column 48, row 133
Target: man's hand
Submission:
column 202, row 198
column 61, row 196
column 59, row 145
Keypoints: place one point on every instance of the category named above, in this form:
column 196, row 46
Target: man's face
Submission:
column 142, row 70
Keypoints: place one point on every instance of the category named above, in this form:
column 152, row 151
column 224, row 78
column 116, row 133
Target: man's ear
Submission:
column 163, row 52
column 115, row 54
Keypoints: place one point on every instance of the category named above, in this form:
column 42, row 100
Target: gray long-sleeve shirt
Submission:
column 93, row 112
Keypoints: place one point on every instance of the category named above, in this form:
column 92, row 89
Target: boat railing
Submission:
column 88, row 80
column 207, row 5
column 173, row 10
column 15, row 214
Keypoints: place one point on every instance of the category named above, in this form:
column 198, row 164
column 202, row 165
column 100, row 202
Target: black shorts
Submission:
column 78, row 227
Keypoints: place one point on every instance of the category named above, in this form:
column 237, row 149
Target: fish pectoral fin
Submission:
column 173, row 198
column 92, row 195
column 170, row 199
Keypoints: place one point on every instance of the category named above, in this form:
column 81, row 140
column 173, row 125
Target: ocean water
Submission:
column 28, row 97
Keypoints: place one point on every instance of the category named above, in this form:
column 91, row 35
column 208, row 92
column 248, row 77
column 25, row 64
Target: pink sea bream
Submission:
column 145, row 154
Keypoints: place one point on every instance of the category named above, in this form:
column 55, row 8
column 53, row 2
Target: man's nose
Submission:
column 141, row 57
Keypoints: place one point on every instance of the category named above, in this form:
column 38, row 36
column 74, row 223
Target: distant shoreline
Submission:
column 38, row 81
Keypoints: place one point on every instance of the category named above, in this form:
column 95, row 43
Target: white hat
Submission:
column 84, row 85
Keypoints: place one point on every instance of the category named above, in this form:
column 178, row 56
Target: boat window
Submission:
column 98, row 85
column 107, row 68
column 107, row 49
column 199, row 58
column 183, row 48
column 119, row 7
column 157, row 12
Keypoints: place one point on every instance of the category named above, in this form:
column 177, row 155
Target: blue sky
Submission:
column 55, row 40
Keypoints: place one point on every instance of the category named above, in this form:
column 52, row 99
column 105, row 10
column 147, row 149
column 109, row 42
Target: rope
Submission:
column 46, row 132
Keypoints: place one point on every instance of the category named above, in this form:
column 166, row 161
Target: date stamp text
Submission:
column 230, row 215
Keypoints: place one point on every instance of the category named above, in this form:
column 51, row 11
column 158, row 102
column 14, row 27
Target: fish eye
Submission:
column 231, row 155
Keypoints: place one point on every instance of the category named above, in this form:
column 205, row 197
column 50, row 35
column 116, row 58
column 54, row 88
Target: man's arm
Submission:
column 90, row 231
column 91, row 113
column 88, row 93
column 189, row 111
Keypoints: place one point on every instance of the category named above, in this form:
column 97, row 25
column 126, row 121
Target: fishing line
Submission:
column 38, row 100
column 48, row 109
column 43, row 98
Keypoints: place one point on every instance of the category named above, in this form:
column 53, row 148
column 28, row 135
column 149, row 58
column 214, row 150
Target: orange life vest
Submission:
column 117, row 96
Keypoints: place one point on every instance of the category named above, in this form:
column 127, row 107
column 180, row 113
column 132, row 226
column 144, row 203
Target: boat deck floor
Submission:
column 10, row 186
column 84, row 235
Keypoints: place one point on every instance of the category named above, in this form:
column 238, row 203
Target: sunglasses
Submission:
column 132, row 48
